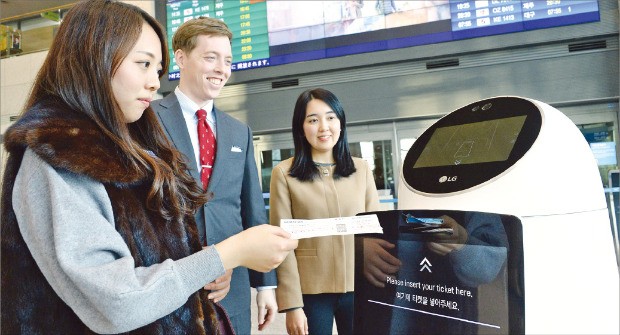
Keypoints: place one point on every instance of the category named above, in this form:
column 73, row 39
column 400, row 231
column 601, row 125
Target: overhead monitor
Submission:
column 271, row 33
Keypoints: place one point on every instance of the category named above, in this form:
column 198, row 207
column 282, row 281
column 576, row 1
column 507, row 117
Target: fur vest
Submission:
column 69, row 140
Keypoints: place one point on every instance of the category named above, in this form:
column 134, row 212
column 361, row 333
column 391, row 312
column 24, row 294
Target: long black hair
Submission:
column 303, row 167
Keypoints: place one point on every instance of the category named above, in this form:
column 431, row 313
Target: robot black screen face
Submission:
column 472, row 145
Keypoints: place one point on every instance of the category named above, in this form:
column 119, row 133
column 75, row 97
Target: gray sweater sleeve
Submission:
column 66, row 220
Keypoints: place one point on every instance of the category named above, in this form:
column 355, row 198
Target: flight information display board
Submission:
column 245, row 18
column 268, row 33
column 470, row 18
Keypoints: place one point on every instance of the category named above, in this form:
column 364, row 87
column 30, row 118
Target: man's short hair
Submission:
column 185, row 36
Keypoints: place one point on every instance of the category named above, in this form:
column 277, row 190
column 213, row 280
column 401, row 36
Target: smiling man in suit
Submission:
column 202, row 49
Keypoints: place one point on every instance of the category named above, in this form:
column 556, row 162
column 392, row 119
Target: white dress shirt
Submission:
column 189, row 109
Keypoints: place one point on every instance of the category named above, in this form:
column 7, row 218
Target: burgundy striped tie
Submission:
column 206, row 141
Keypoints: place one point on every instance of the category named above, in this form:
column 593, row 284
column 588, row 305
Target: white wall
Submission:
column 17, row 75
column 146, row 5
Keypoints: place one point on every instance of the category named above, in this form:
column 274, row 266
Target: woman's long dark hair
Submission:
column 78, row 70
column 303, row 167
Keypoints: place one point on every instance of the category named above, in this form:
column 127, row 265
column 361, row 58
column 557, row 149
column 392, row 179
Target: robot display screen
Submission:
column 470, row 143
column 440, row 272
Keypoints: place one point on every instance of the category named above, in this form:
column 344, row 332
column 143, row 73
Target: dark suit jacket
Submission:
column 237, row 202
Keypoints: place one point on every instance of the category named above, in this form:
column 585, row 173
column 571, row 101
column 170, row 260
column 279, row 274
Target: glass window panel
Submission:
column 600, row 137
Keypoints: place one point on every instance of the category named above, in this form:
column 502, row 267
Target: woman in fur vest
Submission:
column 98, row 231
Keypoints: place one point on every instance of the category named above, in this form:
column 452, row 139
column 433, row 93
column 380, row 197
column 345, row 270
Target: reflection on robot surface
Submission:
column 420, row 281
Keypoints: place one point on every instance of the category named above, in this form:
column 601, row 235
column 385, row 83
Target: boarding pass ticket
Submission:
column 361, row 224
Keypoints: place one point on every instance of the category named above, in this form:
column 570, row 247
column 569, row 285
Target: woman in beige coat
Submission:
column 322, row 180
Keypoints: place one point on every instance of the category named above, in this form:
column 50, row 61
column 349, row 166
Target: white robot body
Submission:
column 553, row 186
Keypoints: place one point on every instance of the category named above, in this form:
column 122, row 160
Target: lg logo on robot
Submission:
column 444, row 179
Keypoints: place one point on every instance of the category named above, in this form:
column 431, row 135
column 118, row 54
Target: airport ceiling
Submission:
column 10, row 9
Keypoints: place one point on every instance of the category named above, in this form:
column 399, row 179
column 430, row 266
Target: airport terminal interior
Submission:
column 399, row 68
